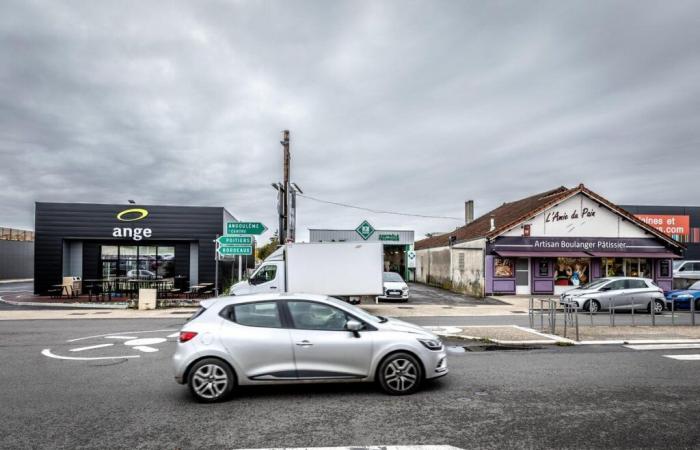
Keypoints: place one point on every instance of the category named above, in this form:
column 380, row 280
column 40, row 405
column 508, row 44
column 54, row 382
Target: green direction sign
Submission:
column 389, row 237
column 365, row 230
column 244, row 250
column 235, row 240
column 245, row 228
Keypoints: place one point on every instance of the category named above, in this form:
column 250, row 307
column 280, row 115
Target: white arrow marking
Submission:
column 174, row 335
column 47, row 352
column 90, row 347
column 145, row 348
column 126, row 338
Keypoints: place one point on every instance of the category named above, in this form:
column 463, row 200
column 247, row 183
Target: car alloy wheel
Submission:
column 210, row 380
column 400, row 374
column 592, row 306
column 658, row 307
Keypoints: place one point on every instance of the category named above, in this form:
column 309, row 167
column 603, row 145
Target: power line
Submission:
column 378, row 211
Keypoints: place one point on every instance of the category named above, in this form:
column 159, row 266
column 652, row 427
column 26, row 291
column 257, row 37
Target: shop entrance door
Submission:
column 522, row 276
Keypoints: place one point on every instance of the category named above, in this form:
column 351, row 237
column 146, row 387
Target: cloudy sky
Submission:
column 405, row 106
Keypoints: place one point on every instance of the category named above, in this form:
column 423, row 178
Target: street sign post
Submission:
column 235, row 240
column 246, row 228
column 225, row 250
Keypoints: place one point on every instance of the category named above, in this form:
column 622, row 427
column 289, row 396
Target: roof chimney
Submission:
column 493, row 223
column 468, row 212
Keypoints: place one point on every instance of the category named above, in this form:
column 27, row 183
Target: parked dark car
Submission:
column 681, row 297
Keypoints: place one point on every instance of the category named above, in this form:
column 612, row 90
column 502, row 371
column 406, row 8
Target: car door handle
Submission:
column 304, row 343
column 273, row 287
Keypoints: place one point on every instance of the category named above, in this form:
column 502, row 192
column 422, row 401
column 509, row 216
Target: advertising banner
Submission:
column 677, row 227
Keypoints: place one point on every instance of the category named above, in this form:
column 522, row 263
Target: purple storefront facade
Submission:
column 551, row 265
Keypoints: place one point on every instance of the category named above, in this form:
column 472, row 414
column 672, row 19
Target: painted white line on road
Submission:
column 118, row 333
column 684, row 357
column 145, row 349
column 47, row 352
column 90, row 347
column 145, row 341
column 369, row 447
column 174, row 335
column 126, row 338
column 662, row 346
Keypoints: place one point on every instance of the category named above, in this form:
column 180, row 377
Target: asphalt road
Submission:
column 561, row 397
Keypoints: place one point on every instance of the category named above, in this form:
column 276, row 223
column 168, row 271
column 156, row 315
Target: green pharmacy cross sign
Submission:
column 245, row 228
column 365, row 230
column 235, row 240
column 243, row 250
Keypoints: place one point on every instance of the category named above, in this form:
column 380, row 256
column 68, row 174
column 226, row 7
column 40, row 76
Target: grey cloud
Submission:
column 408, row 106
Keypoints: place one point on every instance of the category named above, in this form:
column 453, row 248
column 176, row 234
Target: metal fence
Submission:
column 548, row 316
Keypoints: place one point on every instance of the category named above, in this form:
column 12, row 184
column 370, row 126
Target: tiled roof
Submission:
column 510, row 214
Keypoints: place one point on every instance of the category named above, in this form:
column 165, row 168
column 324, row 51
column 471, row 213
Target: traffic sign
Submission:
column 245, row 250
column 245, row 228
column 235, row 240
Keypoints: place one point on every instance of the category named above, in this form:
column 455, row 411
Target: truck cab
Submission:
column 268, row 277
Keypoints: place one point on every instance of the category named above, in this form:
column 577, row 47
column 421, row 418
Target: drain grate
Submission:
column 405, row 307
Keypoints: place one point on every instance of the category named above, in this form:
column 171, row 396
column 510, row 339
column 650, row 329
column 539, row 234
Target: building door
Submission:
column 522, row 276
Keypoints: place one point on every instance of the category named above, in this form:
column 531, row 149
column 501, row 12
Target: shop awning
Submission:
column 514, row 254
column 664, row 255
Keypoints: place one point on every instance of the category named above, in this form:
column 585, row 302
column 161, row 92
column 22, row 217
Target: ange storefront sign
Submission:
column 579, row 244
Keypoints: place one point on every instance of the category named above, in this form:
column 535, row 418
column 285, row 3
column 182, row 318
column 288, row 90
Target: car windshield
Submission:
column 393, row 276
column 595, row 284
column 677, row 264
column 360, row 313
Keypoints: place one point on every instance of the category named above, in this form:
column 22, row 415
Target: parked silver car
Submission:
column 289, row 338
column 620, row 293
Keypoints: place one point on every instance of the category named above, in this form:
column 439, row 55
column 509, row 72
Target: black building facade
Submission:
column 680, row 222
column 98, row 241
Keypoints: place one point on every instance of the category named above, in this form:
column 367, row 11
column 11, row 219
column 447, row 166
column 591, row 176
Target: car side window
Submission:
column 616, row 285
column 261, row 314
column 317, row 316
column 635, row 284
column 265, row 274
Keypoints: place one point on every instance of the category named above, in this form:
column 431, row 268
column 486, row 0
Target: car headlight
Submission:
column 431, row 344
column 405, row 289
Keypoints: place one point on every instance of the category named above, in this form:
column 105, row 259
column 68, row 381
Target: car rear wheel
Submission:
column 211, row 380
column 592, row 306
column 658, row 307
column 400, row 374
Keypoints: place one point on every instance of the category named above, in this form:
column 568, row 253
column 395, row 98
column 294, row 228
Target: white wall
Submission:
column 575, row 222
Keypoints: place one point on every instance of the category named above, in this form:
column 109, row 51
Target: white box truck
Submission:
column 349, row 271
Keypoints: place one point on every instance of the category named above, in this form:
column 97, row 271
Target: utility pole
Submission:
column 284, row 233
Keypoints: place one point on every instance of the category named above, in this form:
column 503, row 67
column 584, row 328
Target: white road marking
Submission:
column 90, row 347
column 145, row 349
column 684, row 357
column 145, row 341
column 118, row 333
column 126, row 338
column 174, row 335
column 47, row 352
column 662, row 346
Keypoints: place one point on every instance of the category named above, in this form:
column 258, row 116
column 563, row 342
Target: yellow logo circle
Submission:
column 140, row 213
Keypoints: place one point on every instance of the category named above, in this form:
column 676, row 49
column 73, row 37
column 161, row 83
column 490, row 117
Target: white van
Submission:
column 349, row 271
column 686, row 269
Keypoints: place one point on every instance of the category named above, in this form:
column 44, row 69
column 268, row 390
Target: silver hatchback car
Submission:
column 620, row 293
column 294, row 338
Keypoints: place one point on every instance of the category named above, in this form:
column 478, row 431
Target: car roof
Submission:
column 230, row 299
column 624, row 278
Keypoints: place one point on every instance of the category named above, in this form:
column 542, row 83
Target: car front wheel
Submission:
column 210, row 380
column 592, row 306
column 400, row 374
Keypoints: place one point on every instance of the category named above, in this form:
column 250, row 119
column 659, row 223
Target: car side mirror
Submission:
column 354, row 326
